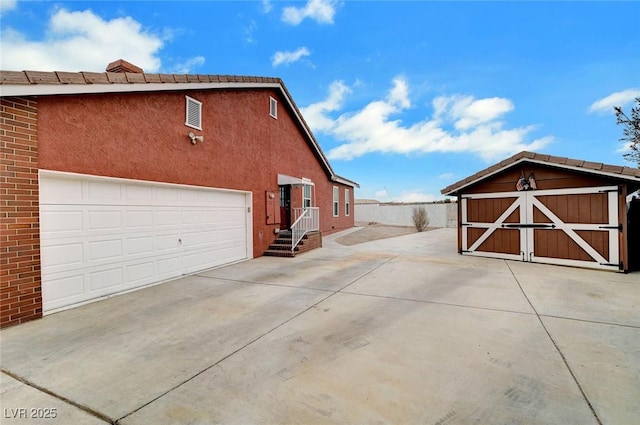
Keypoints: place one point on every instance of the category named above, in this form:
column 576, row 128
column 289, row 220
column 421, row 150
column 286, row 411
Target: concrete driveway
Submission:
column 395, row 331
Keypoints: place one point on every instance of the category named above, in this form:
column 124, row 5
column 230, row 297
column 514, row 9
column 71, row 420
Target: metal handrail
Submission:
column 307, row 220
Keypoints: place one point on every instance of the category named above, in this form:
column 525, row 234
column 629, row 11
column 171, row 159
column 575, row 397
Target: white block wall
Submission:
column 440, row 215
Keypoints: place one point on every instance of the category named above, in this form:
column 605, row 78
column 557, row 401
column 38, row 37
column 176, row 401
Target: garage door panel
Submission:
column 139, row 245
column 562, row 226
column 504, row 241
column 105, row 219
column 63, row 222
column 62, row 255
column 63, row 290
column 104, row 281
column 103, row 237
column 106, row 250
column 138, row 218
column 140, row 273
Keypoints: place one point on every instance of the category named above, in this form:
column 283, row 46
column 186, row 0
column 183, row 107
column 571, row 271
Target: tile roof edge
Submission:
column 554, row 161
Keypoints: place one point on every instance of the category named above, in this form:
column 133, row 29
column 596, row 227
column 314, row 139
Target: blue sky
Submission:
column 404, row 97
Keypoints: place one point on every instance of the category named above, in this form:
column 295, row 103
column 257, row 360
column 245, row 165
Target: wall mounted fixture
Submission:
column 195, row 139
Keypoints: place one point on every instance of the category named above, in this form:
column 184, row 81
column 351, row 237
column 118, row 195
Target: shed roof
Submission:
column 595, row 168
column 53, row 83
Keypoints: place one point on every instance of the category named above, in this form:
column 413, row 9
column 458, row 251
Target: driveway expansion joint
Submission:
column 555, row 344
column 66, row 400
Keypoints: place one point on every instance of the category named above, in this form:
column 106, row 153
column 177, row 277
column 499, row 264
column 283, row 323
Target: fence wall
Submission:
column 440, row 215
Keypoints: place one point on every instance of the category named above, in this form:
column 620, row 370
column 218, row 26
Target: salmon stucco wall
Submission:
column 143, row 136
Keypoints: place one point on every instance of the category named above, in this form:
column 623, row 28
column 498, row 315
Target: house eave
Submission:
column 459, row 187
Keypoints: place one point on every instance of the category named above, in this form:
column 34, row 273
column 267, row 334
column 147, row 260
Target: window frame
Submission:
column 273, row 107
column 336, row 201
column 190, row 100
column 347, row 202
column 306, row 200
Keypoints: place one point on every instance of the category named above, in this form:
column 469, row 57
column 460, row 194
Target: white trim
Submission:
column 55, row 89
column 53, row 173
column 273, row 107
column 191, row 100
column 347, row 202
column 463, row 220
column 498, row 223
column 335, row 206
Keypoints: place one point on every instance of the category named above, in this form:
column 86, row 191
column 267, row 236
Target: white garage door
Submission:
column 101, row 236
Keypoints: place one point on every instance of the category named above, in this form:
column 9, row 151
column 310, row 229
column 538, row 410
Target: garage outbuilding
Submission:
column 540, row 208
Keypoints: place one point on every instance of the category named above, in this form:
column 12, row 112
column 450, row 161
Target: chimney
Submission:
column 122, row 65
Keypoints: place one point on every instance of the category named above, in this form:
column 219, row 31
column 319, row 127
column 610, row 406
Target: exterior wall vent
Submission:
column 194, row 113
column 273, row 107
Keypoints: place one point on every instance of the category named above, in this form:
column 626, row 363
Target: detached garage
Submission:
column 539, row 208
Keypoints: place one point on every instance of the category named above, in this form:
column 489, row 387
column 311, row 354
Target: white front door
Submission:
column 101, row 236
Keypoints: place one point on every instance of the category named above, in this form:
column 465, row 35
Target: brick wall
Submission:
column 20, row 283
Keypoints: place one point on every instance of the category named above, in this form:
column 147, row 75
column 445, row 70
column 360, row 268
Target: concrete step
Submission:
column 279, row 253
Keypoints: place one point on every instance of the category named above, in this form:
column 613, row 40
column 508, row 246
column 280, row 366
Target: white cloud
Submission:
column 446, row 176
column 82, row 41
column 624, row 148
column 286, row 58
column 7, row 5
column 377, row 128
column 188, row 66
column 317, row 113
column 321, row 11
column 266, row 6
column 620, row 98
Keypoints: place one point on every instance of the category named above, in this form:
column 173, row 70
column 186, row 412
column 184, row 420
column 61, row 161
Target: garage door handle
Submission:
column 619, row 227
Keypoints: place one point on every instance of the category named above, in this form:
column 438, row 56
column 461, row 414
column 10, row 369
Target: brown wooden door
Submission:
column 562, row 226
column 285, row 207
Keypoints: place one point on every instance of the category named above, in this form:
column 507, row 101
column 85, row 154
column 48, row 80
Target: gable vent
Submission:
column 194, row 113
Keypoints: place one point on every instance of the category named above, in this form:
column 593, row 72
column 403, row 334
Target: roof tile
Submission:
column 95, row 77
column 180, row 78
column 117, row 77
column 574, row 162
column 592, row 165
column 39, row 77
column 557, row 159
column 152, row 78
column 134, row 77
column 14, row 77
column 617, row 169
column 167, row 78
column 70, row 77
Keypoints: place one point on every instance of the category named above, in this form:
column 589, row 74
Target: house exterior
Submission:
column 116, row 180
column 540, row 208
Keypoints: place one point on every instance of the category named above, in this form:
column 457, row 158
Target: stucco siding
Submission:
column 144, row 137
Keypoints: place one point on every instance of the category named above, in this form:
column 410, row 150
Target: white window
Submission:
column 306, row 196
column 194, row 113
column 347, row 202
column 336, row 201
column 273, row 107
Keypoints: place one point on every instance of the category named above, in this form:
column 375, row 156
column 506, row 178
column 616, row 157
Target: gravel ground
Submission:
column 375, row 231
